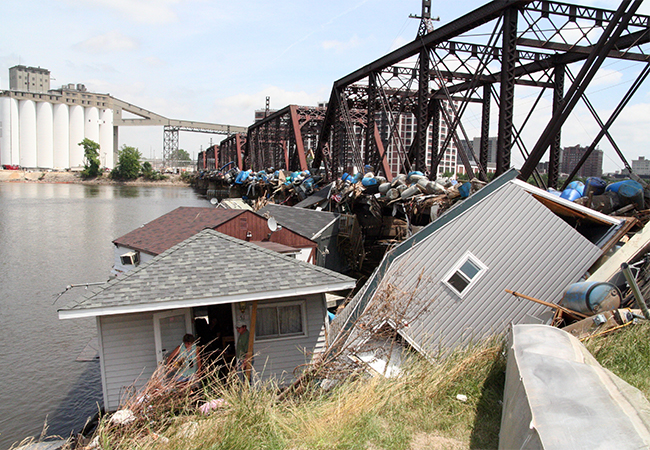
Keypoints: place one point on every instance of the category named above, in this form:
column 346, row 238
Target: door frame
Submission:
column 187, row 312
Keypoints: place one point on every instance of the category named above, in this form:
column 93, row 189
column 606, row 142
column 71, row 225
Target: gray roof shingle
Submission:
column 207, row 266
column 307, row 222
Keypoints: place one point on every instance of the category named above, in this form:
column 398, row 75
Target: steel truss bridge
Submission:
column 480, row 58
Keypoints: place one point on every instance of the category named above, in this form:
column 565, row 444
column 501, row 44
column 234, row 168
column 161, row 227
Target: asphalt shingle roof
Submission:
column 168, row 230
column 207, row 266
column 306, row 222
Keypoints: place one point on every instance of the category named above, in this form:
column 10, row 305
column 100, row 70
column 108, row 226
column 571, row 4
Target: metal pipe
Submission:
column 625, row 268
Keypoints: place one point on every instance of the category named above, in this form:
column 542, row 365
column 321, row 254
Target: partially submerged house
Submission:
column 219, row 280
column 319, row 226
column 162, row 233
column 508, row 235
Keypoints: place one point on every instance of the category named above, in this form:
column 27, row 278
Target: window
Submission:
column 280, row 320
column 466, row 272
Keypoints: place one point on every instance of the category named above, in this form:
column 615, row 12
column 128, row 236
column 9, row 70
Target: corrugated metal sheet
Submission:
column 525, row 247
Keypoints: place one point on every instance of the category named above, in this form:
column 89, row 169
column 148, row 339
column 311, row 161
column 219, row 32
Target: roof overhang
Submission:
column 563, row 207
column 206, row 301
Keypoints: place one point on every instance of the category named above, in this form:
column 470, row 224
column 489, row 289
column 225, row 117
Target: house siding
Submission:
column 128, row 354
column 278, row 358
column 537, row 254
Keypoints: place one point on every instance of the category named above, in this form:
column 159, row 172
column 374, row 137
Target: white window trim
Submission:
column 467, row 256
column 303, row 313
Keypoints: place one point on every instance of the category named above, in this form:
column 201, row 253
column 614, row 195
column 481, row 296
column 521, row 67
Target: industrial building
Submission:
column 41, row 128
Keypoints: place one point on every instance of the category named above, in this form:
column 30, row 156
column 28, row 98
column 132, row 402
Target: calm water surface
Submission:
column 53, row 235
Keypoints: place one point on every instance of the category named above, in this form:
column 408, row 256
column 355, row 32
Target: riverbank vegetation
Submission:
column 453, row 404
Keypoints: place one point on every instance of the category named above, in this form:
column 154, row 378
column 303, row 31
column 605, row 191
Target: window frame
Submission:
column 281, row 337
column 467, row 256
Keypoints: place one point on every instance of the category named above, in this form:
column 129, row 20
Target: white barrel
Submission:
column 61, row 136
column 106, row 138
column 5, row 130
column 15, row 132
column 76, row 136
column 45, row 135
column 27, row 112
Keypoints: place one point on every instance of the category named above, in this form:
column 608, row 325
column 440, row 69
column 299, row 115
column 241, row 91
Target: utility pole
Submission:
column 426, row 21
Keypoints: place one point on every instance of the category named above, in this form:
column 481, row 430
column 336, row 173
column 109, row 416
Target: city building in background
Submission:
column 641, row 166
column 570, row 156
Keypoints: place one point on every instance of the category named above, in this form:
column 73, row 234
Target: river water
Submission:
column 51, row 236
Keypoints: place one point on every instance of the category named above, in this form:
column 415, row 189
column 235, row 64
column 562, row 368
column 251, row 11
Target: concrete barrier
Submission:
column 557, row 396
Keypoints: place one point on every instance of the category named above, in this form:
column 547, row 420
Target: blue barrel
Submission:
column 614, row 187
column 368, row 181
column 595, row 185
column 578, row 186
column 554, row 192
column 571, row 194
column 464, row 189
column 242, row 176
column 631, row 192
column 591, row 297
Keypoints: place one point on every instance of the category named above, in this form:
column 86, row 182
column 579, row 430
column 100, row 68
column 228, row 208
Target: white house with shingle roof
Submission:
column 214, row 280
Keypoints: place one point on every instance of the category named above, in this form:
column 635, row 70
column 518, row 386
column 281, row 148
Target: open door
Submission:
column 169, row 327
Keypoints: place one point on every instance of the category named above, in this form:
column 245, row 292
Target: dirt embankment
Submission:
column 20, row 176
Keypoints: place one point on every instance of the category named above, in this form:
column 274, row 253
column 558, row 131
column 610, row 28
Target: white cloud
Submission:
column 341, row 46
column 240, row 109
column 606, row 77
column 113, row 41
column 143, row 11
column 153, row 61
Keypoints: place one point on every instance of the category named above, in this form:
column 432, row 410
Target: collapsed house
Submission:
column 455, row 271
column 215, row 280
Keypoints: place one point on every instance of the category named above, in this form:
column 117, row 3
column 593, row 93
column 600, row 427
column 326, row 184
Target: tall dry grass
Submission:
column 360, row 412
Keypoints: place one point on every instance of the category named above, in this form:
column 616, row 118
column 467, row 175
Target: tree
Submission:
column 128, row 164
column 181, row 155
column 91, row 158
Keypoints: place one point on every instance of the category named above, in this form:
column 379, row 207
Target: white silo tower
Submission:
column 15, row 132
column 76, row 136
column 106, row 137
column 61, row 136
column 45, row 135
column 91, row 123
column 5, row 130
column 27, row 111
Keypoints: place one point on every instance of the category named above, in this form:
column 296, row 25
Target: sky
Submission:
column 217, row 61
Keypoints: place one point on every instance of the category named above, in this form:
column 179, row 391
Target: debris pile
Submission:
column 622, row 198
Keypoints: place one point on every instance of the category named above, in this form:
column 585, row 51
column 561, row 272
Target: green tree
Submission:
column 91, row 158
column 149, row 174
column 128, row 164
column 181, row 155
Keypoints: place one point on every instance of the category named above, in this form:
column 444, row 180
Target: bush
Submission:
column 128, row 164
column 91, row 158
column 151, row 175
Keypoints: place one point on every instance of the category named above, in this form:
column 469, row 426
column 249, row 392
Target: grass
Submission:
column 626, row 352
column 416, row 410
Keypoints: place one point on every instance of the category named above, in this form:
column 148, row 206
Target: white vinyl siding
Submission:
column 279, row 357
column 128, row 356
column 527, row 248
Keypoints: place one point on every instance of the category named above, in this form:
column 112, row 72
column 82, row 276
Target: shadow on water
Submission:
column 128, row 191
column 80, row 404
column 91, row 191
column 485, row 433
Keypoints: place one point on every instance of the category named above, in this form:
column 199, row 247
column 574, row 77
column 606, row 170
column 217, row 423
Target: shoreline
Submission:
column 65, row 177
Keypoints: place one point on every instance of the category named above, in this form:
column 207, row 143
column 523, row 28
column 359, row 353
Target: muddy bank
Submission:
column 20, row 176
